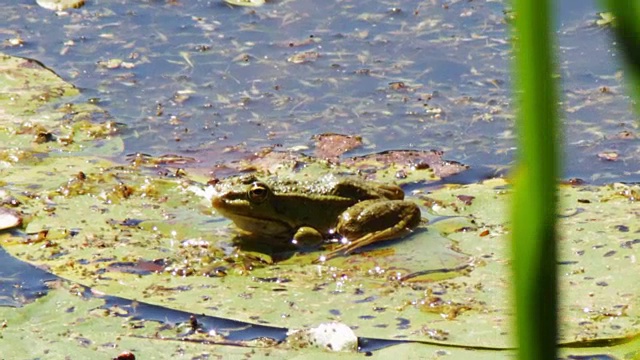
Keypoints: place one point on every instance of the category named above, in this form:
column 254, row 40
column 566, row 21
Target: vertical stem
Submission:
column 534, row 207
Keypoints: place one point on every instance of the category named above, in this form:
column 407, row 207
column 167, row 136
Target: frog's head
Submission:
column 250, row 205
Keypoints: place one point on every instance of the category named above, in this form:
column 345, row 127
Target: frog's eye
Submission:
column 258, row 192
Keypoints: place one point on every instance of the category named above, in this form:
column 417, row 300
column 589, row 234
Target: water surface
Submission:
column 200, row 76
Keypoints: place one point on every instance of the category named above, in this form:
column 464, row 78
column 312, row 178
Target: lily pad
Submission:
column 67, row 324
column 32, row 127
column 26, row 84
column 447, row 283
column 115, row 218
column 596, row 250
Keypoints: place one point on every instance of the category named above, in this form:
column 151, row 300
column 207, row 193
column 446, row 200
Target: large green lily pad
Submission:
column 34, row 122
column 449, row 284
column 26, row 84
column 116, row 218
column 597, row 248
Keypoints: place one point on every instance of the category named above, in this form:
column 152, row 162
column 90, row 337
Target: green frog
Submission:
column 356, row 212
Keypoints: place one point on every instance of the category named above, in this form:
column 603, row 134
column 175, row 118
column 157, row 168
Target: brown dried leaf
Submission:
column 412, row 160
column 331, row 146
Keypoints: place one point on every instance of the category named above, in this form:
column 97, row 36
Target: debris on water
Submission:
column 59, row 5
column 333, row 336
column 9, row 218
column 609, row 156
column 303, row 57
column 331, row 146
column 245, row 2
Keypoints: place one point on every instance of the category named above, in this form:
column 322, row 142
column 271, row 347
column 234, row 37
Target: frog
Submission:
column 356, row 212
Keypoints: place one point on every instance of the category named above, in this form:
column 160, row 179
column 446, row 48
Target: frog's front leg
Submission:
column 371, row 221
column 306, row 236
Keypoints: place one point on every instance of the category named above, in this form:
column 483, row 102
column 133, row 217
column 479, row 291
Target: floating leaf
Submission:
column 26, row 84
column 31, row 127
column 303, row 57
column 331, row 146
column 606, row 19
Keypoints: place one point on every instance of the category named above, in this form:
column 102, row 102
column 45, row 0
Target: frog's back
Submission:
column 360, row 190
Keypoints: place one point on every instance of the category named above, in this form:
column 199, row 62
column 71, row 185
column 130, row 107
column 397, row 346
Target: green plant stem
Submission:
column 534, row 207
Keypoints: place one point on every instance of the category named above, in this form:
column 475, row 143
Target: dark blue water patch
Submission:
column 471, row 175
column 394, row 42
column 166, row 72
column 21, row 283
column 277, row 280
column 589, row 357
column 131, row 222
column 403, row 323
column 234, row 330
column 366, row 345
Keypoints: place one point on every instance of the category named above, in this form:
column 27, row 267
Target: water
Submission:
column 206, row 76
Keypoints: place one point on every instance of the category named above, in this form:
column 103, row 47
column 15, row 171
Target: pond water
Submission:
column 202, row 76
